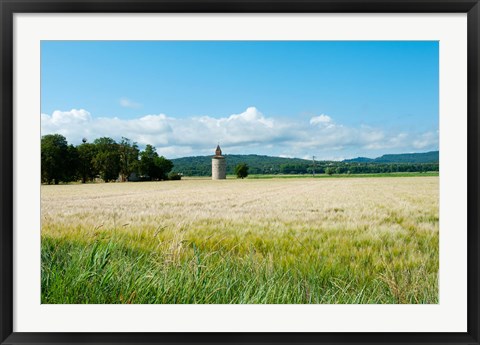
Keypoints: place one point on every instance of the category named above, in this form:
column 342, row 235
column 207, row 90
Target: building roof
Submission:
column 218, row 151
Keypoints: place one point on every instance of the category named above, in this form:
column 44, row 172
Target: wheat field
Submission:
column 329, row 240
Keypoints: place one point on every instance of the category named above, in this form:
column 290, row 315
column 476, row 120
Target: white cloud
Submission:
column 65, row 122
column 426, row 140
column 322, row 120
column 66, row 117
column 245, row 128
column 76, row 124
column 246, row 132
column 128, row 103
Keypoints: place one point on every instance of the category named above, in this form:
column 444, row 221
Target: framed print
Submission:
column 196, row 172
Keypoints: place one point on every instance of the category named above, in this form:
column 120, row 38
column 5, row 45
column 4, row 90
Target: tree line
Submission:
column 201, row 166
column 103, row 158
column 331, row 168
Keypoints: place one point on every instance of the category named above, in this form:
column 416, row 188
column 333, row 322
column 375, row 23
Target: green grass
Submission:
column 399, row 174
column 335, row 267
column 295, row 176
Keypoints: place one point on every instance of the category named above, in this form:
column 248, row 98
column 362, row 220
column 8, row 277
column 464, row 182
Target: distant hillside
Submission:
column 426, row 157
column 409, row 162
column 202, row 165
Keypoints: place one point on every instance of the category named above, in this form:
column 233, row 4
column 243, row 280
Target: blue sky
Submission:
column 334, row 100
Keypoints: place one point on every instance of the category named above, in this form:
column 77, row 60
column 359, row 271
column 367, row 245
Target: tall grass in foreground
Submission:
column 337, row 268
column 321, row 244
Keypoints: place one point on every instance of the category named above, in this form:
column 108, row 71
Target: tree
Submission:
column 107, row 158
column 164, row 166
column 329, row 171
column 146, row 164
column 71, row 168
column 128, row 158
column 86, row 155
column 241, row 170
column 54, row 150
column 153, row 166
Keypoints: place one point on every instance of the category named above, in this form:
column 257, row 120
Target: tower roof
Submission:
column 218, row 151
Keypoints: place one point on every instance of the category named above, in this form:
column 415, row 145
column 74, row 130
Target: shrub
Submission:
column 174, row 176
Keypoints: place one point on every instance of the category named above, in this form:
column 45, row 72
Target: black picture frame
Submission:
column 9, row 7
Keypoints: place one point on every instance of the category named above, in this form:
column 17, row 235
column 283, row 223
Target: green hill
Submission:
column 425, row 157
column 202, row 165
column 258, row 164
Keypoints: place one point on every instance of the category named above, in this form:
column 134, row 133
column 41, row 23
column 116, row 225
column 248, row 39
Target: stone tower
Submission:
column 219, row 166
